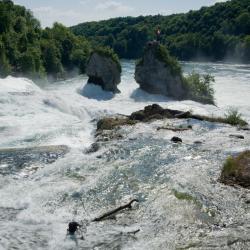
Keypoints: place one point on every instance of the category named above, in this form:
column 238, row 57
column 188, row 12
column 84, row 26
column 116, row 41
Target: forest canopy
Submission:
column 219, row 32
column 27, row 49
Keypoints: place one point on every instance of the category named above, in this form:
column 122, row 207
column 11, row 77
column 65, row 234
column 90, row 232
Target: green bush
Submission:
column 233, row 117
column 199, row 87
column 230, row 167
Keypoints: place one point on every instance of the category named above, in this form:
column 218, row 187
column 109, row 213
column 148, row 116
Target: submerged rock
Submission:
column 158, row 73
column 236, row 170
column 93, row 148
column 237, row 136
column 103, row 69
column 15, row 159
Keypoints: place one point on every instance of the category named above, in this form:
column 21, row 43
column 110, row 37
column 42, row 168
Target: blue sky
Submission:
column 76, row 11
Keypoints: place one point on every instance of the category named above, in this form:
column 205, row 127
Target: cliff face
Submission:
column 158, row 73
column 104, row 71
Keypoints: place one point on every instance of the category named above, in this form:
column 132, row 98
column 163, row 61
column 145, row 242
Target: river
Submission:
column 181, row 203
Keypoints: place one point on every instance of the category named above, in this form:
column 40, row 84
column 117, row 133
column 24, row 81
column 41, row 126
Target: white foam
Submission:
column 17, row 85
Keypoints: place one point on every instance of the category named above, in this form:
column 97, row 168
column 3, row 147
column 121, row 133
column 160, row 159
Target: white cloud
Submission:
column 114, row 6
column 49, row 15
column 84, row 2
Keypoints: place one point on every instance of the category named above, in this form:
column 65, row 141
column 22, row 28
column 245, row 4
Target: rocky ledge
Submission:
column 154, row 112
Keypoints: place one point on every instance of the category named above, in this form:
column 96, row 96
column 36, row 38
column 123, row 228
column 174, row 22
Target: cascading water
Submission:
column 182, row 205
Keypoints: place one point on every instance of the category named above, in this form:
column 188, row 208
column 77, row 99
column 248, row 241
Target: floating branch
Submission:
column 108, row 214
column 175, row 129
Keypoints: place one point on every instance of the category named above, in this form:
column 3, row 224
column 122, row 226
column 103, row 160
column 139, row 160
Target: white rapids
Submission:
column 182, row 204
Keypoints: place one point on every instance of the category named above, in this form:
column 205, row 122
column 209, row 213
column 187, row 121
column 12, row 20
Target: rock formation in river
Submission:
column 103, row 69
column 158, row 73
column 236, row 170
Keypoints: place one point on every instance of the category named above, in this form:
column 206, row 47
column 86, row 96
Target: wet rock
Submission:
column 158, row 73
column 198, row 142
column 110, row 123
column 93, row 148
column 236, row 170
column 104, row 71
column 237, row 136
column 245, row 128
column 151, row 112
column 183, row 115
column 176, row 139
column 108, row 135
column 73, row 227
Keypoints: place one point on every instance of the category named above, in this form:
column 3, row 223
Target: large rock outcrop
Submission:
column 103, row 69
column 158, row 73
column 236, row 170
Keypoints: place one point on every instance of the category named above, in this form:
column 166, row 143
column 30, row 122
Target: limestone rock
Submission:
column 104, row 71
column 158, row 73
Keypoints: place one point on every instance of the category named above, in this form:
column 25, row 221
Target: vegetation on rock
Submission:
column 233, row 117
column 111, row 123
column 195, row 86
column 236, row 170
column 199, row 87
column 108, row 52
column 218, row 32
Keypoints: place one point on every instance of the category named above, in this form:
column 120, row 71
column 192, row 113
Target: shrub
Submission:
column 230, row 167
column 233, row 117
column 236, row 170
column 199, row 87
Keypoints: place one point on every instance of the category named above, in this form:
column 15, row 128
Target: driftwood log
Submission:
column 175, row 129
column 115, row 211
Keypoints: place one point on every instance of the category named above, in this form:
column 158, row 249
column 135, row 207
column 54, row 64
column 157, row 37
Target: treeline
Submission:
column 220, row 32
column 28, row 50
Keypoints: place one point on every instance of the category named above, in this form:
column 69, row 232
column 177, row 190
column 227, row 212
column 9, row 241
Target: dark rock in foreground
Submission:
column 104, row 71
column 16, row 159
column 236, row 170
column 176, row 139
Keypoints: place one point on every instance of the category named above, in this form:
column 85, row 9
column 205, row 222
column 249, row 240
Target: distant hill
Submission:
column 219, row 32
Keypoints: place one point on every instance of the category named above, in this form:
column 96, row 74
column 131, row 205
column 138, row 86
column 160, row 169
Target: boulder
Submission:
column 158, row 73
column 103, row 69
column 151, row 112
column 176, row 139
column 236, row 170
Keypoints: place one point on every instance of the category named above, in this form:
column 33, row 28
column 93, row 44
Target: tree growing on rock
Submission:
column 159, row 73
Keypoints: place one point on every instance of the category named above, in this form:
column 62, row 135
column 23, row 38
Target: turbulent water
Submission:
column 181, row 203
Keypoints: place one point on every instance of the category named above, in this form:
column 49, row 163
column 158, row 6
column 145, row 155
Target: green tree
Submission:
column 5, row 67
